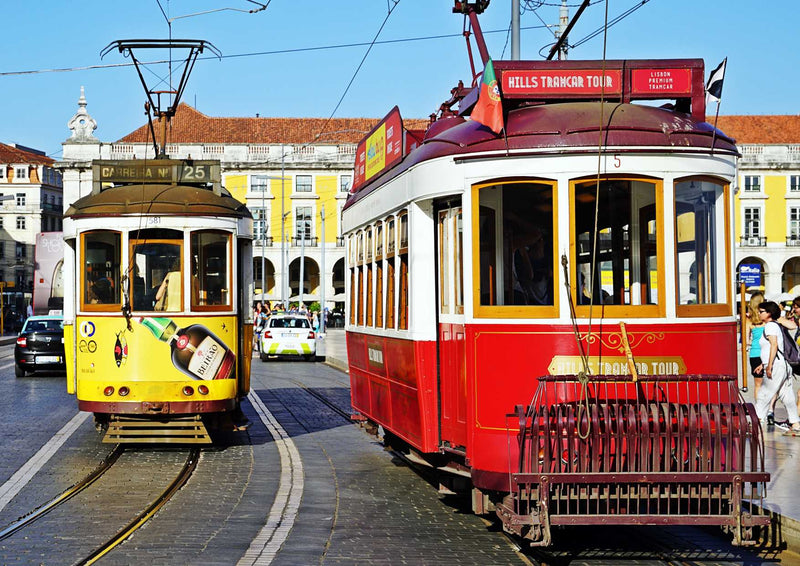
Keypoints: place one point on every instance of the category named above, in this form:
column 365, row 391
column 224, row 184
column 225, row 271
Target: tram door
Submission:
column 450, row 310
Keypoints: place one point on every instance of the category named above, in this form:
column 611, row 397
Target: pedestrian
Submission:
column 259, row 319
column 792, row 322
column 776, row 370
column 29, row 311
column 754, row 328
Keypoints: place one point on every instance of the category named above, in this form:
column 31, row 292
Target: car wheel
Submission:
column 311, row 357
column 18, row 371
column 263, row 357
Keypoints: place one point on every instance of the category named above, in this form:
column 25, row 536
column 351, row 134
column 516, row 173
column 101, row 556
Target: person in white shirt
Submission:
column 775, row 369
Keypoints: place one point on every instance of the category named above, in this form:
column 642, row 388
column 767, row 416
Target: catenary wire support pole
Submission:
column 322, row 273
column 515, row 30
column 283, row 232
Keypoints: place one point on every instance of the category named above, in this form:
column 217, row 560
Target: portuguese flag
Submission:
column 489, row 109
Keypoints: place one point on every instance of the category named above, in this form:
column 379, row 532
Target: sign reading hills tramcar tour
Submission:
column 582, row 79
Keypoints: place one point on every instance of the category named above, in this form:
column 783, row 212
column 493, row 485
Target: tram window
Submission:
column 369, row 297
column 390, row 286
column 459, row 264
column 353, row 302
column 402, row 306
column 156, row 270
column 102, row 254
column 626, row 269
column 360, row 299
column 379, row 294
column 700, row 231
column 211, row 270
column 444, row 262
column 403, row 221
column 515, row 244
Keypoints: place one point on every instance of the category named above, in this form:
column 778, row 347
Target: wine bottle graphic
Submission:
column 196, row 351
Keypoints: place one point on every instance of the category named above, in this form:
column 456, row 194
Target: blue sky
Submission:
column 415, row 75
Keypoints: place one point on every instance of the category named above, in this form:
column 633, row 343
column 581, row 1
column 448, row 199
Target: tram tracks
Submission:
column 92, row 478
column 676, row 546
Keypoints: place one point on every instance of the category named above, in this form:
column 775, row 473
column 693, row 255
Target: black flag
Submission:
column 714, row 86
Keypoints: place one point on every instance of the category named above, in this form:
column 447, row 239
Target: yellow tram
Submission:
column 158, row 277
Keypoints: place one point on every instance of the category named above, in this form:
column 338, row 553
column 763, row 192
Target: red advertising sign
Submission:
column 380, row 150
column 668, row 82
column 561, row 82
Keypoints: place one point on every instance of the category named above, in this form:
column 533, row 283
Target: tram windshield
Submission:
column 156, row 271
column 211, row 269
column 700, row 234
column 621, row 244
column 516, row 244
column 101, row 257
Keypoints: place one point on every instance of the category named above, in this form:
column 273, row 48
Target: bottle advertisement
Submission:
column 156, row 348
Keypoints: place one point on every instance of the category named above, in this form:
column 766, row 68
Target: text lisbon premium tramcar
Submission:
column 157, row 277
column 550, row 313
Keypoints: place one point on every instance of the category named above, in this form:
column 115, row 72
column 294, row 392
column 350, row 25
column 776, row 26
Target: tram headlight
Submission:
column 188, row 390
column 123, row 391
column 108, row 391
column 202, row 389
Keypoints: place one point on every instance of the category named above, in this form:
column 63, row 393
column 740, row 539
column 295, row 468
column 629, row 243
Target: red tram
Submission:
column 549, row 312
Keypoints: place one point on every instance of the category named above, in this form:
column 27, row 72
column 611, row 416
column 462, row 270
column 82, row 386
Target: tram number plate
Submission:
column 48, row 359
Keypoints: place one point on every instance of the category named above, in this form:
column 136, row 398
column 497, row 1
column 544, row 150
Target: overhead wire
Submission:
column 259, row 53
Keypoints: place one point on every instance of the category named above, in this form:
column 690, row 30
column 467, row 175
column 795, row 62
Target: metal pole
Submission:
column 515, row 30
column 302, row 264
column 283, row 239
column 286, row 259
column 263, row 221
column 322, row 274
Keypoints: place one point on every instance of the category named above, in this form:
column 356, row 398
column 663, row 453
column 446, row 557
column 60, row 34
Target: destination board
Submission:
column 156, row 171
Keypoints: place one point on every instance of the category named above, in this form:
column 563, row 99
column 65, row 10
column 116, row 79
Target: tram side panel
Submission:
column 146, row 369
column 508, row 359
column 393, row 383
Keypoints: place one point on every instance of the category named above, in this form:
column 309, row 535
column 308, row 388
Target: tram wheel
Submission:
column 18, row 371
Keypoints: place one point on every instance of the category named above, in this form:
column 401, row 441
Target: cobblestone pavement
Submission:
column 360, row 505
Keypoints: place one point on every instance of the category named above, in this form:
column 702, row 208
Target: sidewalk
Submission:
column 781, row 453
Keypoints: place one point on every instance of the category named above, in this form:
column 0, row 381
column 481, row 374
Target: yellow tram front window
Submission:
column 618, row 257
column 701, row 245
column 515, row 249
column 211, row 270
column 156, row 270
column 102, row 254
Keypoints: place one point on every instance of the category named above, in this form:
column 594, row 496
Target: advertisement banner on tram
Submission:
column 177, row 348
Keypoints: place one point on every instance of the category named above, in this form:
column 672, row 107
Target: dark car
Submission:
column 40, row 345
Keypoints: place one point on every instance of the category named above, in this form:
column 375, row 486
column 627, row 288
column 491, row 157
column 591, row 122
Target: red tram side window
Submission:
column 379, row 275
column 701, row 244
column 515, row 249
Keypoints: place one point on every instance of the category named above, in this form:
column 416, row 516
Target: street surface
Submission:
column 302, row 485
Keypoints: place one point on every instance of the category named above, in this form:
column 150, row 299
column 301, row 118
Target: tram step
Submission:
column 181, row 430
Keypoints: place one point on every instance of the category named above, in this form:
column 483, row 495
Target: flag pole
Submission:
column 714, row 133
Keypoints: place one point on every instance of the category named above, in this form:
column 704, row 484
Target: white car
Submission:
column 288, row 335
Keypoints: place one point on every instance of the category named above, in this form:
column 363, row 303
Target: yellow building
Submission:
column 767, row 202
column 294, row 174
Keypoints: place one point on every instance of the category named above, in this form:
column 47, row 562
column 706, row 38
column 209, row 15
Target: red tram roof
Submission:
column 559, row 126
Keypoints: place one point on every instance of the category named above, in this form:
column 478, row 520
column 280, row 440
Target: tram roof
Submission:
column 569, row 125
column 158, row 199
